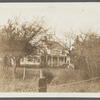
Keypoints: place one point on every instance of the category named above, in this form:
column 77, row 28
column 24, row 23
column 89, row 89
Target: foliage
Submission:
column 49, row 75
column 86, row 53
column 16, row 36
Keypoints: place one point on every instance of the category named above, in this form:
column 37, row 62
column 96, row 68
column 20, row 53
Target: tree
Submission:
column 21, row 39
column 86, row 53
column 21, row 36
column 70, row 37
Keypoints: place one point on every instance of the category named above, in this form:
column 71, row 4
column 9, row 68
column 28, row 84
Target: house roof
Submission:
column 54, row 44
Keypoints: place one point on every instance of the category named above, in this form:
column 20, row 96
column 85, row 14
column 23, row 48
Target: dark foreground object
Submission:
column 42, row 85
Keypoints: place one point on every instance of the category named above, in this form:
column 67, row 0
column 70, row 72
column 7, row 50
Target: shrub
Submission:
column 69, row 76
column 42, row 65
column 49, row 76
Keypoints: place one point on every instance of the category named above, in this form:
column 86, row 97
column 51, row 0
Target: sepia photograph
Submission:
column 50, row 47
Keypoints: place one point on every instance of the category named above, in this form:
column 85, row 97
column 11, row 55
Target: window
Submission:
column 57, row 52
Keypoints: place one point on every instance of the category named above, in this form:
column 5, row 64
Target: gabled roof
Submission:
column 53, row 44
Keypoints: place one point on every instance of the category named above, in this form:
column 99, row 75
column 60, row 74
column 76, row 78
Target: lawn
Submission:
column 59, row 82
column 88, row 87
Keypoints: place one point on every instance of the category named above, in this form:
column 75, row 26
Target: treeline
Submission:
column 86, row 54
column 20, row 39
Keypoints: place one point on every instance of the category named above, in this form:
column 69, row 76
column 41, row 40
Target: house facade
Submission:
column 55, row 55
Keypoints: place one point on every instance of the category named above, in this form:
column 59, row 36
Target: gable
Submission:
column 56, row 45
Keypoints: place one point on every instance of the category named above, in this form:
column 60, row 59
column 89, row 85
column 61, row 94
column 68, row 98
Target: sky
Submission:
column 61, row 17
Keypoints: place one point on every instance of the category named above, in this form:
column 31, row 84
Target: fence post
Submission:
column 42, row 82
column 24, row 71
column 41, row 73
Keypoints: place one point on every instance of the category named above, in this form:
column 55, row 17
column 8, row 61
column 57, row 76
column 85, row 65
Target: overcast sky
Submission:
column 60, row 16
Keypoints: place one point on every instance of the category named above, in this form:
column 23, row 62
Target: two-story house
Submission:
column 55, row 55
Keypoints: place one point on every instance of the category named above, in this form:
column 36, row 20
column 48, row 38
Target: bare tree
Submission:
column 70, row 37
column 86, row 47
column 20, row 39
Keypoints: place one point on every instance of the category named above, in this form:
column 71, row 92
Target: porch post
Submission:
column 41, row 73
column 63, row 60
column 51, row 60
column 58, row 61
column 46, row 59
column 69, row 60
column 66, row 60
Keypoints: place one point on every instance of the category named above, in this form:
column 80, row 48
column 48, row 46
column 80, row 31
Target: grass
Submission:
column 10, row 84
column 91, row 86
column 58, row 83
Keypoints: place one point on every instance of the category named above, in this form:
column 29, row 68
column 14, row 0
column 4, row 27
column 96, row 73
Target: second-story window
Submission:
column 57, row 52
column 63, row 52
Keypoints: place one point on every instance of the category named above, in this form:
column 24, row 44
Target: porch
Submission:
column 54, row 60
